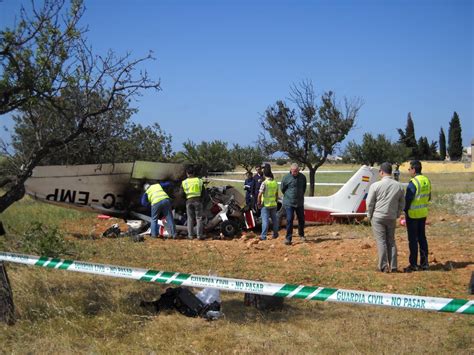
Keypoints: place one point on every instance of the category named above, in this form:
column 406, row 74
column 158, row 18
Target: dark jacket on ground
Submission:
column 293, row 188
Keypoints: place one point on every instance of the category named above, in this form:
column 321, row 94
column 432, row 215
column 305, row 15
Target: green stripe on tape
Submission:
column 165, row 276
column 324, row 294
column 180, row 279
column 41, row 261
column 469, row 310
column 52, row 264
column 149, row 275
column 65, row 264
column 305, row 292
column 453, row 306
column 286, row 290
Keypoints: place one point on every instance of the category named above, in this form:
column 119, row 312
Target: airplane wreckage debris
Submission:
column 116, row 189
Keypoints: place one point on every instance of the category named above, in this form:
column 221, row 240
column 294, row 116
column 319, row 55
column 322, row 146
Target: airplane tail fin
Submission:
column 354, row 192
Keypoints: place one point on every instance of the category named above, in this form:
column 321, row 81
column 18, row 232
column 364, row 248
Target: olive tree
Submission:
column 310, row 131
column 45, row 58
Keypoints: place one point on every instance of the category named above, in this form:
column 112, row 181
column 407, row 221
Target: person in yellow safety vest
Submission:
column 160, row 206
column 193, row 189
column 417, row 197
column 267, row 200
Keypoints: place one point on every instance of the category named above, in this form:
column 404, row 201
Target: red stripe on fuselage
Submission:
column 318, row 216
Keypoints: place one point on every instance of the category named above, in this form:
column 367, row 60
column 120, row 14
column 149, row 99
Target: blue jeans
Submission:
column 290, row 212
column 272, row 213
column 162, row 208
column 417, row 236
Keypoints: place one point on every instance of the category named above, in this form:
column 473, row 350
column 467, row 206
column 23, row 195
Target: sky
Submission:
column 221, row 64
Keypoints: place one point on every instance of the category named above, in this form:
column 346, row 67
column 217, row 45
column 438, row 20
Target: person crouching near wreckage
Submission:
column 267, row 200
column 160, row 206
column 193, row 189
column 385, row 202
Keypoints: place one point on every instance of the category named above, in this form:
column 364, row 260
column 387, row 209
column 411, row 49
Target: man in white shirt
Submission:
column 385, row 202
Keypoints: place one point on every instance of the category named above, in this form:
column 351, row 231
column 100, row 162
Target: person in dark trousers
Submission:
column 249, row 188
column 293, row 186
column 257, row 182
column 193, row 189
column 417, row 197
column 160, row 205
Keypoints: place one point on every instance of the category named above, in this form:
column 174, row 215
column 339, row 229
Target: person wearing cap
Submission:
column 160, row 206
column 385, row 202
column 193, row 190
column 267, row 200
column 293, row 186
column 417, row 198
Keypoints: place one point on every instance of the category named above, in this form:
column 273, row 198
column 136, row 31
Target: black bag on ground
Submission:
column 168, row 299
column 187, row 303
column 183, row 300
column 263, row 302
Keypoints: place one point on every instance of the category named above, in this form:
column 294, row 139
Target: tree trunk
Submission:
column 312, row 173
column 7, row 308
column 15, row 193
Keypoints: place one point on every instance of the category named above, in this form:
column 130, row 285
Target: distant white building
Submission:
column 469, row 151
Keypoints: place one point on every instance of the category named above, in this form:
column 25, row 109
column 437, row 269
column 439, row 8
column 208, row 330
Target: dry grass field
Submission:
column 64, row 312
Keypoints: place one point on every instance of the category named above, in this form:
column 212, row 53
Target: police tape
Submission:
column 451, row 305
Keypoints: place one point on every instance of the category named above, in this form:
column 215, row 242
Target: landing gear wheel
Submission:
column 229, row 228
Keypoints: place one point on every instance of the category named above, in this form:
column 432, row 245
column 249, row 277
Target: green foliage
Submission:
column 434, row 155
column 455, row 138
column 423, row 148
column 375, row 150
column 281, row 161
column 42, row 240
column 442, row 144
column 210, row 156
column 408, row 138
column 247, row 157
column 110, row 138
column 143, row 143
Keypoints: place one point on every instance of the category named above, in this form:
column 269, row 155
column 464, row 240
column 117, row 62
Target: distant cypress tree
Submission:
column 454, row 138
column 434, row 151
column 442, row 145
column 408, row 138
column 424, row 152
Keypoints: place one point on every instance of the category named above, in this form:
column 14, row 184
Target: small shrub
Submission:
column 43, row 240
column 281, row 161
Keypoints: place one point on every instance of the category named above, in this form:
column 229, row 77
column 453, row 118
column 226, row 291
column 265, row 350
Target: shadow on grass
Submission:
column 451, row 265
column 236, row 312
column 318, row 240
